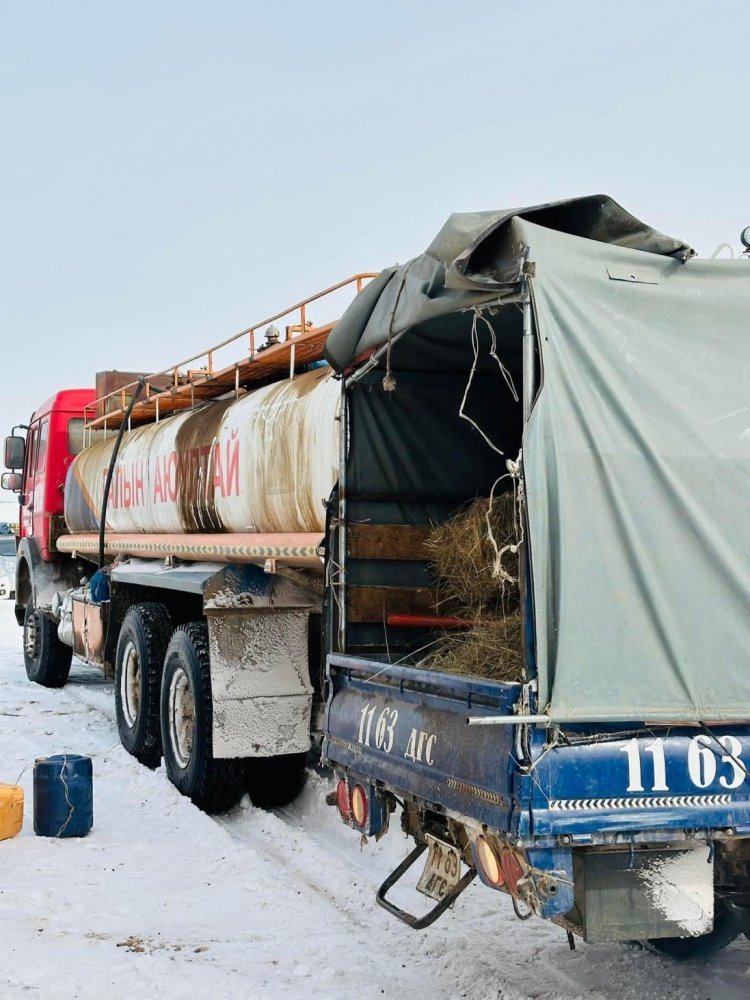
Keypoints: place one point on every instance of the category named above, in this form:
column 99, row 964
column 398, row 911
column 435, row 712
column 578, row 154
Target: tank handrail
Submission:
column 292, row 332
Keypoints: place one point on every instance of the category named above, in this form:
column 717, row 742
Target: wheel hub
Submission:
column 130, row 685
column 31, row 636
column 181, row 717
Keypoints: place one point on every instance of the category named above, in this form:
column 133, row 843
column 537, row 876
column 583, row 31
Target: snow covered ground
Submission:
column 161, row 901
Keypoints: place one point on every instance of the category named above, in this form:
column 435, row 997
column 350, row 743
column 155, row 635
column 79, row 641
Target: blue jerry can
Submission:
column 63, row 796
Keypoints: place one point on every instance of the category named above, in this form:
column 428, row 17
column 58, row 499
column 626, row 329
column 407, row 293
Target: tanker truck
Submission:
column 203, row 598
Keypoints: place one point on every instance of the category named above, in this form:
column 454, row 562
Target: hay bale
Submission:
column 473, row 584
column 492, row 649
column 464, row 560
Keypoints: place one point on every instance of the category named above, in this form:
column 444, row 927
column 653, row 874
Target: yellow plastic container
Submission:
column 11, row 810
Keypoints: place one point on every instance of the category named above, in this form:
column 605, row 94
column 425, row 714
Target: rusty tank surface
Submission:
column 265, row 462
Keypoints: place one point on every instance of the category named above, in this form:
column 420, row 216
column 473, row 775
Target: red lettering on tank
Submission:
column 139, row 496
column 158, row 490
column 170, row 475
column 232, row 485
column 218, row 476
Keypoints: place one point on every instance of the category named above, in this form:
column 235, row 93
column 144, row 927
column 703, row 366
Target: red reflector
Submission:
column 342, row 800
column 512, row 869
column 359, row 805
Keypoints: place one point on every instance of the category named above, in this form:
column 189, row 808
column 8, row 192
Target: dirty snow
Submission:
column 161, row 901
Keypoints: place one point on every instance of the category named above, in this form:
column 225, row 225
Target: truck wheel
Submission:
column 214, row 785
column 274, row 781
column 141, row 646
column 725, row 930
column 47, row 660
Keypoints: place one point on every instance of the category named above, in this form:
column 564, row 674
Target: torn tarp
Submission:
column 636, row 454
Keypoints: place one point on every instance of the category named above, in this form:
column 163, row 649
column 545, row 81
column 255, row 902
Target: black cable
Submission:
column 110, row 471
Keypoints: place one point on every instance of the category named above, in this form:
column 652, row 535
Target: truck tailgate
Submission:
column 406, row 727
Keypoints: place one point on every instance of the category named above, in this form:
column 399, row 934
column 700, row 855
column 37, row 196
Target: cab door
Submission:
column 40, row 505
column 27, row 491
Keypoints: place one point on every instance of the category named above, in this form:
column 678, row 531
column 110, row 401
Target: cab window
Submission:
column 31, row 451
column 41, row 446
column 78, row 439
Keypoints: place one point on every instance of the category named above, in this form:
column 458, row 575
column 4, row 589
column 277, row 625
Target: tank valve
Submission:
column 745, row 239
column 272, row 338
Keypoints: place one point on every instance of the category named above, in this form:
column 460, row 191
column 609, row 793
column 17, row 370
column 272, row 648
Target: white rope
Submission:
column 71, row 809
column 508, row 379
column 499, row 572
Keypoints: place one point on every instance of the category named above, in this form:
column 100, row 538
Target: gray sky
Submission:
column 173, row 171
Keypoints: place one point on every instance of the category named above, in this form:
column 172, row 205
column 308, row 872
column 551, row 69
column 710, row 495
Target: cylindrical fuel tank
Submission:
column 261, row 463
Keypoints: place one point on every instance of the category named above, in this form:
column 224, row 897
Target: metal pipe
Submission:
column 529, row 358
column 529, row 386
column 429, row 622
column 342, row 539
column 508, row 720
column 111, row 469
column 298, row 549
column 374, row 360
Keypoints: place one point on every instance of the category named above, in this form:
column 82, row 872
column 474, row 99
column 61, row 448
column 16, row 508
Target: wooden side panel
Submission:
column 387, row 541
column 375, row 604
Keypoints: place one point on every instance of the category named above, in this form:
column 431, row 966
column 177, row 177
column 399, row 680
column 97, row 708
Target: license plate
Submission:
column 442, row 871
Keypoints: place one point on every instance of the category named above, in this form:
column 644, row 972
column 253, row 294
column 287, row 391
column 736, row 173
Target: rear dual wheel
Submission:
column 164, row 706
column 141, row 647
column 272, row 782
column 213, row 784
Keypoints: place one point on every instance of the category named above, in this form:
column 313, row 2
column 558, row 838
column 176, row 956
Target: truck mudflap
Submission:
column 406, row 728
column 593, row 788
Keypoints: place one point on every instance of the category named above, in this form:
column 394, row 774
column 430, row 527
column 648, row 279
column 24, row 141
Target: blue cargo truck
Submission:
column 598, row 369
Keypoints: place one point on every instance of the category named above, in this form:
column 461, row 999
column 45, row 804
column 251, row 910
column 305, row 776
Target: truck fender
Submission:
column 38, row 581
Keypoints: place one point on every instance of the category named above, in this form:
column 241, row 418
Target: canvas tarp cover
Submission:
column 637, row 467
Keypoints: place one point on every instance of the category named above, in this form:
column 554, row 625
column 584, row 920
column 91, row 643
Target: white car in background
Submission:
column 7, row 566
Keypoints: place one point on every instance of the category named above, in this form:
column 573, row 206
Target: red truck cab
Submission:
column 53, row 438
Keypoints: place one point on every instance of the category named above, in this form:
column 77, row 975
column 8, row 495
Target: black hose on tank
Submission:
column 112, row 461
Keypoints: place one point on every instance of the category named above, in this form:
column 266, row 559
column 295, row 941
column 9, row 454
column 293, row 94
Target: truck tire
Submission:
column 47, row 660
column 141, row 647
column 726, row 928
column 272, row 782
column 214, row 785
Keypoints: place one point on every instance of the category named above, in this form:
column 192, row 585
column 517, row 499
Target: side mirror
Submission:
column 15, row 451
column 11, row 481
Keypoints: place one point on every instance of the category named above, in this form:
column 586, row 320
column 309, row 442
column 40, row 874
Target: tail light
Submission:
column 343, row 801
column 512, row 868
column 488, row 862
column 359, row 805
